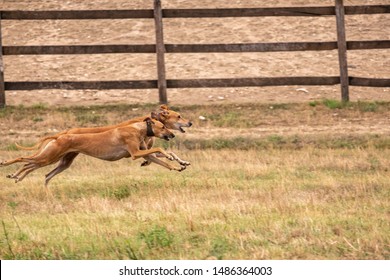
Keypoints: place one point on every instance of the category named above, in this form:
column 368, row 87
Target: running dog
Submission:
column 111, row 145
column 171, row 119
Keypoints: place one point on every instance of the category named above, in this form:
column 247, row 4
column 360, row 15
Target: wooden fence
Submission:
column 160, row 48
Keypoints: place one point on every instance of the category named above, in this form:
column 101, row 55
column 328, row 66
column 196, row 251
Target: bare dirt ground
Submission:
column 301, row 120
column 371, row 63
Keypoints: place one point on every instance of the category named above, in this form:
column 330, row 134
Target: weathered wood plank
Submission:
column 2, row 88
column 81, row 49
column 250, row 47
column 367, row 9
column 366, row 45
column 267, row 12
column 248, row 12
column 191, row 13
column 369, row 82
column 252, row 82
column 192, row 48
column 342, row 50
column 174, row 83
column 195, row 83
column 160, row 51
column 76, row 14
column 80, row 85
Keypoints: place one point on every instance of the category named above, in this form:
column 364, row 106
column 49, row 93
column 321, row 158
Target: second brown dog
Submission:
column 111, row 145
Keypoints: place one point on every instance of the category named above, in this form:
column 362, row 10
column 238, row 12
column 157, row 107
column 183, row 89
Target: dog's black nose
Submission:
column 190, row 124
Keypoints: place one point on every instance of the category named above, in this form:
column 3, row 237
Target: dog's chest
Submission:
column 115, row 155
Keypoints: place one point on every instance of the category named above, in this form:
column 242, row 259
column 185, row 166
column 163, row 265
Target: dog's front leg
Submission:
column 154, row 159
column 176, row 158
column 145, row 146
column 137, row 153
column 148, row 154
column 146, row 162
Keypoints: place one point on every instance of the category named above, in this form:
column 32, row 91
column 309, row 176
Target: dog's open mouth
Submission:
column 184, row 125
column 167, row 137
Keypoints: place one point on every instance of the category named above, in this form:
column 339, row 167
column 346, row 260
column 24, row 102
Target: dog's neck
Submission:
column 149, row 130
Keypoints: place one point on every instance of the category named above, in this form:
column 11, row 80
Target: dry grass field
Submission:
column 273, row 204
column 276, row 172
column 309, row 194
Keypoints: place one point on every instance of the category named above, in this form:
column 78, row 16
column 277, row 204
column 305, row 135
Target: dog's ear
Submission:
column 162, row 115
column 164, row 107
column 148, row 120
column 154, row 115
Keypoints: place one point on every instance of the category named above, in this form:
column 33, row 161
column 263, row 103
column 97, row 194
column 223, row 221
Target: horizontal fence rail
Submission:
column 197, row 83
column 174, row 83
column 369, row 82
column 76, row 14
column 81, row 49
column 160, row 48
column 193, row 48
column 191, row 13
column 80, row 85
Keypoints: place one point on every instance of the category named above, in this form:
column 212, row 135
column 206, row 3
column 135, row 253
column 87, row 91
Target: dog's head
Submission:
column 157, row 129
column 171, row 119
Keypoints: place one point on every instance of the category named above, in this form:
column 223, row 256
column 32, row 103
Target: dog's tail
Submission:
column 40, row 142
column 20, row 147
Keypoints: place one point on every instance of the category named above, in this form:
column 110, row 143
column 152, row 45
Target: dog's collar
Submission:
column 149, row 130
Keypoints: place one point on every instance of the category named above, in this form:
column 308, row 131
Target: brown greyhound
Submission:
column 111, row 145
column 171, row 119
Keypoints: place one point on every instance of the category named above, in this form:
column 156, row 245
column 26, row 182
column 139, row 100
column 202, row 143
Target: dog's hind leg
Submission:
column 26, row 172
column 22, row 169
column 65, row 163
column 29, row 159
column 16, row 160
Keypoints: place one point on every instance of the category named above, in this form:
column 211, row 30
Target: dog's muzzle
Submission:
column 187, row 125
column 168, row 137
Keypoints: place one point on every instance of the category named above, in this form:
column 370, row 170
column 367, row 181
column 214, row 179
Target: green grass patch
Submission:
column 334, row 104
column 157, row 237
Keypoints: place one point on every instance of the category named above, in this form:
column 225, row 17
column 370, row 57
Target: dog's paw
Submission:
column 171, row 158
column 10, row 176
column 184, row 163
column 145, row 163
column 183, row 167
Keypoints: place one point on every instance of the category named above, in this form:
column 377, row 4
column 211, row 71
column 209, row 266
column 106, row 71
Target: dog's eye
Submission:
column 179, row 117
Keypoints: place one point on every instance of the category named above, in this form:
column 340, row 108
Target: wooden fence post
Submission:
column 2, row 88
column 342, row 49
column 160, row 51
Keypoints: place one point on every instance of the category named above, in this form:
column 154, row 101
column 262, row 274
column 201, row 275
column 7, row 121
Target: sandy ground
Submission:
column 370, row 63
